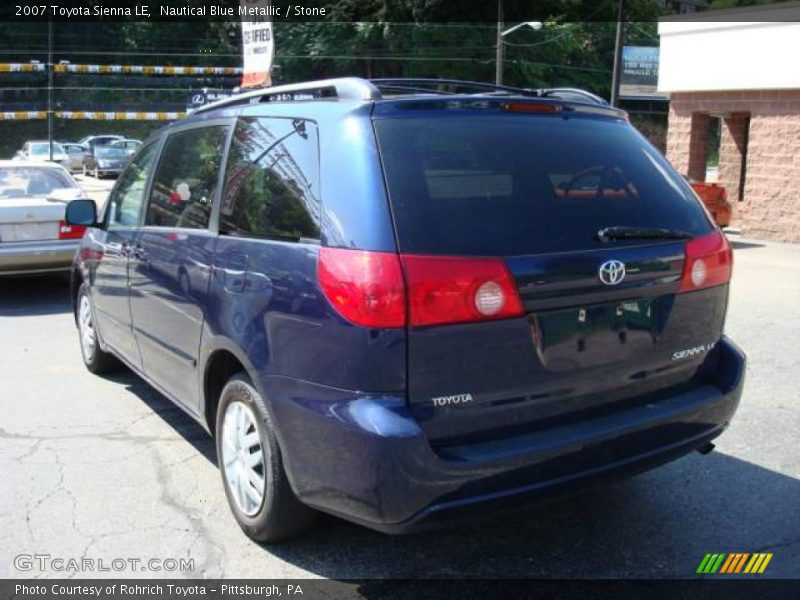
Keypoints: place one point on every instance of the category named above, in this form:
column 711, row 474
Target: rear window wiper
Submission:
column 641, row 233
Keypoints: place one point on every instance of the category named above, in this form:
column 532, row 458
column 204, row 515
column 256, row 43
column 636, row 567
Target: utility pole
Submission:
column 50, row 86
column 499, row 56
column 618, row 45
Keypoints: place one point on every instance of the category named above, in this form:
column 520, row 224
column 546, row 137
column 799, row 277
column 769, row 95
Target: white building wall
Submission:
column 698, row 55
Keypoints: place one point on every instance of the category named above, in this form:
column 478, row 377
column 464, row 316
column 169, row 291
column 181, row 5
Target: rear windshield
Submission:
column 109, row 152
column 16, row 182
column 41, row 149
column 504, row 184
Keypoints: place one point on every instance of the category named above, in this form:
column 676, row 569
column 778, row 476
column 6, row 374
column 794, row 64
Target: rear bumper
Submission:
column 366, row 459
column 109, row 170
column 23, row 258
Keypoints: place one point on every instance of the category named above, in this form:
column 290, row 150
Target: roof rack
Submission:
column 354, row 88
column 351, row 88
column 455, row 86
column 572, row 94
column 447, row 86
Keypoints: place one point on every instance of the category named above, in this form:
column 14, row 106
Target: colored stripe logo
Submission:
column 735, row 562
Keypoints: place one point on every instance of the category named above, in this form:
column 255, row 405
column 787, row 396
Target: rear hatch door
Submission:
column 602, row 324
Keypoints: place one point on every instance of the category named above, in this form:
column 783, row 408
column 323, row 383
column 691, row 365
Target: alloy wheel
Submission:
column 86, row 328
column 243, row 458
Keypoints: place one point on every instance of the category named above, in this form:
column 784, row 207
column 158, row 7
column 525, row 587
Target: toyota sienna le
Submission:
column 401, row 301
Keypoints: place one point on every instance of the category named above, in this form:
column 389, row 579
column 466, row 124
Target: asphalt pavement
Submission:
column 105, row 468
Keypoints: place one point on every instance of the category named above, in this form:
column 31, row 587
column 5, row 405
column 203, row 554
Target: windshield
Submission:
column 109, row 152
column 41, row 149
column 504, row 184
column 17, row 182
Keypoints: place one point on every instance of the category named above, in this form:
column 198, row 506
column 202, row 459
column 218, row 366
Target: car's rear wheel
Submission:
column 249, row 457
column 94, row 357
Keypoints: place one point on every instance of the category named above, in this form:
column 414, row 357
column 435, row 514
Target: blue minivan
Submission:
column 406, row 301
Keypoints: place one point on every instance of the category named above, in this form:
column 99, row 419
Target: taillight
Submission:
column 456, row 290
column 709, row 262
column 70, row 232
column 366, row 288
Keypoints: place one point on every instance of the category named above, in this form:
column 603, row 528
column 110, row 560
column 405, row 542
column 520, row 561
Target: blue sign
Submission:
column 640, row 73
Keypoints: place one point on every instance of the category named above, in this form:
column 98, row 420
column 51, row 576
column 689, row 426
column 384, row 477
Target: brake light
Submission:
column 709, row 262
column 531, row 107
column 70, row 232
column 366, row 288
column 456, row 290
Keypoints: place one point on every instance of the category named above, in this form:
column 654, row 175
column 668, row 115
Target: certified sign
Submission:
column 257, row 43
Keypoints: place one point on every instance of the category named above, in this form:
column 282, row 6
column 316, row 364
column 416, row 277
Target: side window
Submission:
column 185, row 182
column 272, row 180
column 125, row 201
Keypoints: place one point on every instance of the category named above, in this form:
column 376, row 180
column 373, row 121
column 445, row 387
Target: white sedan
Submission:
column 34, row 238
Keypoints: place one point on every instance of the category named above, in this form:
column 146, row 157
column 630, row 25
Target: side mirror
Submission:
column 81, row 212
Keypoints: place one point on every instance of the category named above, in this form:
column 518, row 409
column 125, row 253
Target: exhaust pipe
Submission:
column 706, row 448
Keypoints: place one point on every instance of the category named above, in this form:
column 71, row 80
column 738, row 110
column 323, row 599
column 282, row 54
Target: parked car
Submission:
column 76, row 155
column 715, row 198
column 130, row 146
column 105, row 160
column 39, row 151
column 504, row 295
column 90, row 141
column 34, row 238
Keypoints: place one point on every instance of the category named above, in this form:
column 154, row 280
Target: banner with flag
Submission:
column 257, row 43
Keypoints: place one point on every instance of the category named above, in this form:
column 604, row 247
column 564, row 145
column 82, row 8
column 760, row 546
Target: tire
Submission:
column 95, row 358
column 278, row 515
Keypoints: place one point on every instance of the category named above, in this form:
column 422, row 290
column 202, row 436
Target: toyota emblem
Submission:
column 612, row 272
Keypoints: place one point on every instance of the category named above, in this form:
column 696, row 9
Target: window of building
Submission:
column 272, row 180
column 185, row 183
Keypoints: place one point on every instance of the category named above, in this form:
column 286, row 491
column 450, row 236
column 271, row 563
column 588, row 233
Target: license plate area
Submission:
column 28, row 232
column 589, row 336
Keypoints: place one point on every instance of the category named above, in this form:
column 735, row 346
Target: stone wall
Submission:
column 770, row 204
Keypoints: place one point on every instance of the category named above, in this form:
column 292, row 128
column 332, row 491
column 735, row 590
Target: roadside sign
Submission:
column 640, row 73
column 257, row 43
column 205, row 96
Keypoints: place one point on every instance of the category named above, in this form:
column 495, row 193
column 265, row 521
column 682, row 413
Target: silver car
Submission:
column 34, row 238
column 76, row 155
column 38, row 151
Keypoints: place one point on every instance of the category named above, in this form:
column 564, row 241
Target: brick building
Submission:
column 739, row 67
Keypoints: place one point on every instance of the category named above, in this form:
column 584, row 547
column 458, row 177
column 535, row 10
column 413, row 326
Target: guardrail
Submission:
column 21, row 67
column 120, row 69
column 146, row 70
column 23, row 115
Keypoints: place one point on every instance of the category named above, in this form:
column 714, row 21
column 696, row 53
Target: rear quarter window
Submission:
column 272, row 180
column 502, row 184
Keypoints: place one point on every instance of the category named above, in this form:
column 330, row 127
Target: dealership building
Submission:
column 734, row 74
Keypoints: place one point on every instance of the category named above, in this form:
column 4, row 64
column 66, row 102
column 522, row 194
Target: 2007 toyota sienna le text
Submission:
column 403, row 301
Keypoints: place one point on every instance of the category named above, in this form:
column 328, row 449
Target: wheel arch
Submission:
column 223, row 362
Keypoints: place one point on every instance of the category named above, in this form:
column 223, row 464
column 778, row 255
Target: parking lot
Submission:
column 107, row 468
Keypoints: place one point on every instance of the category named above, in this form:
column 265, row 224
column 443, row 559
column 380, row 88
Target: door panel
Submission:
column 110, row 291
column 170, row 261
column 170, row 271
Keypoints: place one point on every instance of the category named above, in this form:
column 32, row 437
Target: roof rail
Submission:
column 350, row 88
column 572, row 94
column 437, row 86
column 452, row 86
column 354, row 88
